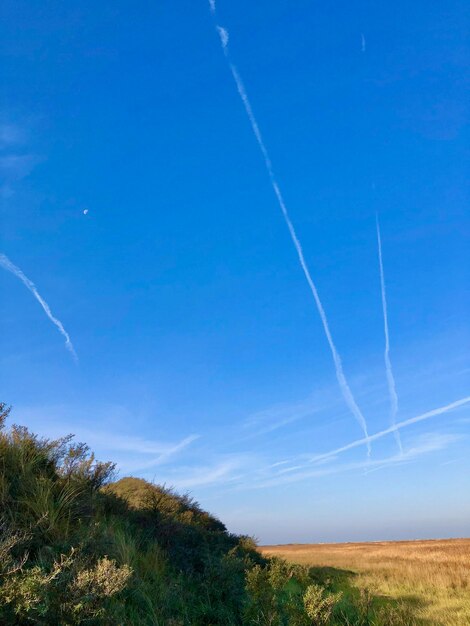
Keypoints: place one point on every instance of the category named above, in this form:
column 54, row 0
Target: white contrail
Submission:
column 223, row 34
column 388, row 365
column 392, row 429
column 8, row 265
column 344, row 386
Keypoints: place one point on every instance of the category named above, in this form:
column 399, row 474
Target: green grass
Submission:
column 77, row 547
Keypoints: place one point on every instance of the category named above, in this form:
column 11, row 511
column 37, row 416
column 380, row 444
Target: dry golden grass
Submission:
column 433, row 574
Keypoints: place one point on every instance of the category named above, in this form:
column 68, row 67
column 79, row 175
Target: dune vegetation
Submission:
column 430, row 578
column 78, row 547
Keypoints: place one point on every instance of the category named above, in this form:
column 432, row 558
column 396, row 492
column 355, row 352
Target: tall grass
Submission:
column 78, row 548
column 432, row 578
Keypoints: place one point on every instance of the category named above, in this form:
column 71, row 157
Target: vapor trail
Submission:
column 343, row 384
column 9, row 266
column 392, row 429
column 388, row 365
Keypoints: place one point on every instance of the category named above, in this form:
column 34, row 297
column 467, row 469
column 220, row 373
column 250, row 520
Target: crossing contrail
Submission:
column 412, row 420
column 388, row 365
column 343, row 383
column 9, row 266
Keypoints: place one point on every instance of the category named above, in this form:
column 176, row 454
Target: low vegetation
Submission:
column 429, row 579
column 77, row 547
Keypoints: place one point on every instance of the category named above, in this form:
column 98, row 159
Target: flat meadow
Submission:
column 431, row 577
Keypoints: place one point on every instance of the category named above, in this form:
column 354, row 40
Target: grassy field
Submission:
column 431, row 577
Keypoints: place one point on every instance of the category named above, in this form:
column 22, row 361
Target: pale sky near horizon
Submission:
column 138, row 219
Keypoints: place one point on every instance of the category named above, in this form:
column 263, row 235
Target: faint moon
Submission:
column 85, row 212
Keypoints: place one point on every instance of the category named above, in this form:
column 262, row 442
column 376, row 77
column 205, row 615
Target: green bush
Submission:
column 77, row 548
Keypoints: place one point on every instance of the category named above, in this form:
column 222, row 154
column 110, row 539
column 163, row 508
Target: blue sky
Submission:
column 135, row 197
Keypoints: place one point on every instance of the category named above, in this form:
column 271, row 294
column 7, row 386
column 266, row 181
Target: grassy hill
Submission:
column 78, row 548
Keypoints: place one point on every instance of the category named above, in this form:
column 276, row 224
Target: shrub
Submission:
column 318, row 605
column 76, row 548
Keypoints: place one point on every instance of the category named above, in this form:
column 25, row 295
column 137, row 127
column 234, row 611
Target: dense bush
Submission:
column 77, row 548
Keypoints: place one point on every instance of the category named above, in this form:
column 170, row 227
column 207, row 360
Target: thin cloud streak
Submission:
column 427, row 444
column 163, row 457
column 203, row 476
column 222, row 470
column 388, row 365
column 223, row 34
column 276, row 417
column 123, row 443
column 341, row 378
column 136, row 450
column 10, row 267
column 383, row 433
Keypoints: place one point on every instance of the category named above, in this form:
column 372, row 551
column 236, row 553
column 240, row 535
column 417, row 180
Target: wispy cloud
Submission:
column 111, row 436
column 276, row 417
column 17, row 166
column 426, row 444
column 388, row 365
column 10, row 134
column 223, row 34
column 226, row 470
column 15, row 163
column 13, row 168
column 201, row 476
column 363, row 43
column 140, row 445
column 160, row 452
column 450, row 462
column 10, row 267
column 340, row 376
column 305, row 466
column 383, row 433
